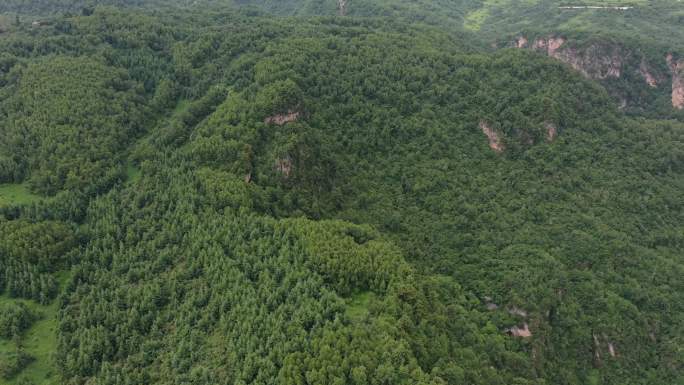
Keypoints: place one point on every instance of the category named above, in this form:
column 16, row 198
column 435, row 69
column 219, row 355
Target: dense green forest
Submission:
column 313, row 192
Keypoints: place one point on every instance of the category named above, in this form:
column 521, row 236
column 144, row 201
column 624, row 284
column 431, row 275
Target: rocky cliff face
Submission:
column 677, row 69
column 342, row 7
column 281, row 119
column 596, row 61
column 645, row 72
column 551, row 131
column 521, row 42
column 495, row 142
column 601, row 61
column 549, row 44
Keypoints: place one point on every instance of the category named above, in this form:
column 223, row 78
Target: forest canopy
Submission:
column 283, row 193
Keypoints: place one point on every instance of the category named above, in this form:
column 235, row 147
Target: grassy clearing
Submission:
column 132, row 173
column 7, row 21
column 40, row 341
column 16, row 194
column 479, row 17
column 476, row 19
column 357, row 307
column 605, row 3
column 181, row 107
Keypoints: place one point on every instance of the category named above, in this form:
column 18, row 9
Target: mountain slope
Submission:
column 332, row 200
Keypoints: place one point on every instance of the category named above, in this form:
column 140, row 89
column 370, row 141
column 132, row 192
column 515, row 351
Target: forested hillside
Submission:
column 622, row 44
column 212, row 193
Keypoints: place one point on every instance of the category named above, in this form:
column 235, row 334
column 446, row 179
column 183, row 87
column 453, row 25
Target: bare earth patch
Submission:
column 342, row 7
column 280, row 119
column 648, row 77
column 517, row 311
column 593, row 62
column 551, row 131
column 523, row 332
column 677, row 67
column 495, row 142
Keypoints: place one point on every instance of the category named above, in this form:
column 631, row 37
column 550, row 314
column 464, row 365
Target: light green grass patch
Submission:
column 16, row 194
column 605, row 3
column 181, row 107
column 474, row 20
column 40, row 341
column 357, row 305
column 6, row 21
column 132, row 173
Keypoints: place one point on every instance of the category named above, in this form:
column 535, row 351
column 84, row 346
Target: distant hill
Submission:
column 640, row 37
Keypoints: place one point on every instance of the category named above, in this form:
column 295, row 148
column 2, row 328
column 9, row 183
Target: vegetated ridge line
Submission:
column 621, row 8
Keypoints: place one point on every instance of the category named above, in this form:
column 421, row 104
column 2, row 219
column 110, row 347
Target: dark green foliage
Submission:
column 11, row 363
column 66, row 131
column 279, row 97
column 14, row 319
column 29, row 254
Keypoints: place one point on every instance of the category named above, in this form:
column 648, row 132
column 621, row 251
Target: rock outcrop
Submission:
column 523, row 332
column 342, row 7
column 280, row 119
column 678, row 92
column 551, row 131
column 514, row 310
column 646, row 74
column 521, row 42
column 489, row 304
column 677, row 69
column 495, row 142
column 597, row 351
column 596, row 61
column 604, row 60
column 284, row 166
column 549, row 44
column 597, row 348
